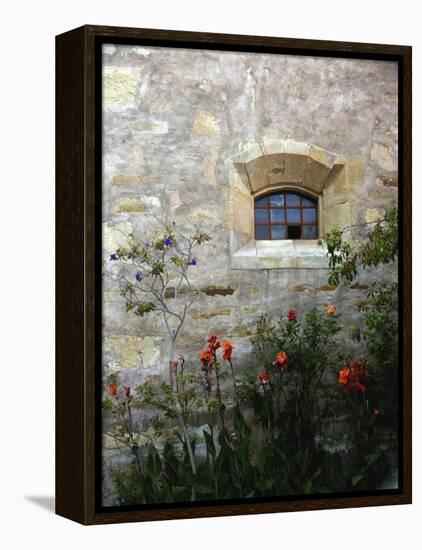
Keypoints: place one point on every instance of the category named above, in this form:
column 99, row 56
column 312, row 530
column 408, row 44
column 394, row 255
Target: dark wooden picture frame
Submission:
column 78, row 211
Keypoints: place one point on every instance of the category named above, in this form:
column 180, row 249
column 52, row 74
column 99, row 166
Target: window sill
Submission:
column 286, row 254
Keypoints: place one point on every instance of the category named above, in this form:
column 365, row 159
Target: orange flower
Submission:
column 228, row 349
column 281, row 361
column 282, row 357
column 174, row 366
column 112, row 389
column 206, row 356
column 330, row 310
column 343, row 376
column 264, row 378
column 126, row 389
column 376, row 412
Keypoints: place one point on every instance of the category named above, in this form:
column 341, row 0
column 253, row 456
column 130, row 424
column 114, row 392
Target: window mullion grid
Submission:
column 285, row 208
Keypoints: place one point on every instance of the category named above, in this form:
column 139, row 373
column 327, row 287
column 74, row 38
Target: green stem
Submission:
column 217, row 376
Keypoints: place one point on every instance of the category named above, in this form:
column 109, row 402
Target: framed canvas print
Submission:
column 233, row 274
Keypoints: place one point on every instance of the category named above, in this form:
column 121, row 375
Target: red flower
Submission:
column 174, row 366
column 112, row 389
column 354, row 378
column 264, row 378
column 126, row 389
column 228, row 349
column 213, row 342
column 359, row 368
column 281, row 361
column 292, row 315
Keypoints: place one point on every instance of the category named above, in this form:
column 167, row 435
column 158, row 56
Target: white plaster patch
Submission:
column 138, row 50
column 109, row 49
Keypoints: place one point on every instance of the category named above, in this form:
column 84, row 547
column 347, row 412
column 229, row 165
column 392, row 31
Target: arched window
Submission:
column 286, row 215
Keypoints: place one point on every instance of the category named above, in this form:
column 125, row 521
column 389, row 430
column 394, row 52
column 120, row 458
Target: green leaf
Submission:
column 307, row 486
column 209, row 444
column 201, row 488
column 373, row 457
column 357, row 478
column 317, row 473
column 153, row 462
column 262, row 458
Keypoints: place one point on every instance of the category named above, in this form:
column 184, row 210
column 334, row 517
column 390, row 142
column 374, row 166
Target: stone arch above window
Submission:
column 279, row 165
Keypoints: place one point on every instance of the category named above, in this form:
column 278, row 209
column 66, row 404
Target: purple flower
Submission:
column 113, row 257
column 139, row 276
column 168, row 241
column 193, row 261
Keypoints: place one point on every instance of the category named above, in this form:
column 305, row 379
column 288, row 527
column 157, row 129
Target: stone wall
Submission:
column 177, row 121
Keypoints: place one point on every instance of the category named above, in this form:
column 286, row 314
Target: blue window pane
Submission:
column 277, row 200
column 278, row 231
column 261, row 202
column 310, row 232
column 277, row 216
column 262, row 232
column 292, row 200
column 307, row 202
column 261, row 215
column 309, row 215
column 293, row 215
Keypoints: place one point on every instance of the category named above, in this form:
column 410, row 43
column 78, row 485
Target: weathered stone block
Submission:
column 214, row 290
column 115, row 235
column 134, row 351
column 205, row 125
column 385, row 156
column 150, row 126
column 134, row 180
column 131, row 205
column 223, row 312
column 119, row 85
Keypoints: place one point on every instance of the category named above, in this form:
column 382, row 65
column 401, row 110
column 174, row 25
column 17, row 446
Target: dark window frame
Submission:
column 285, row 207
